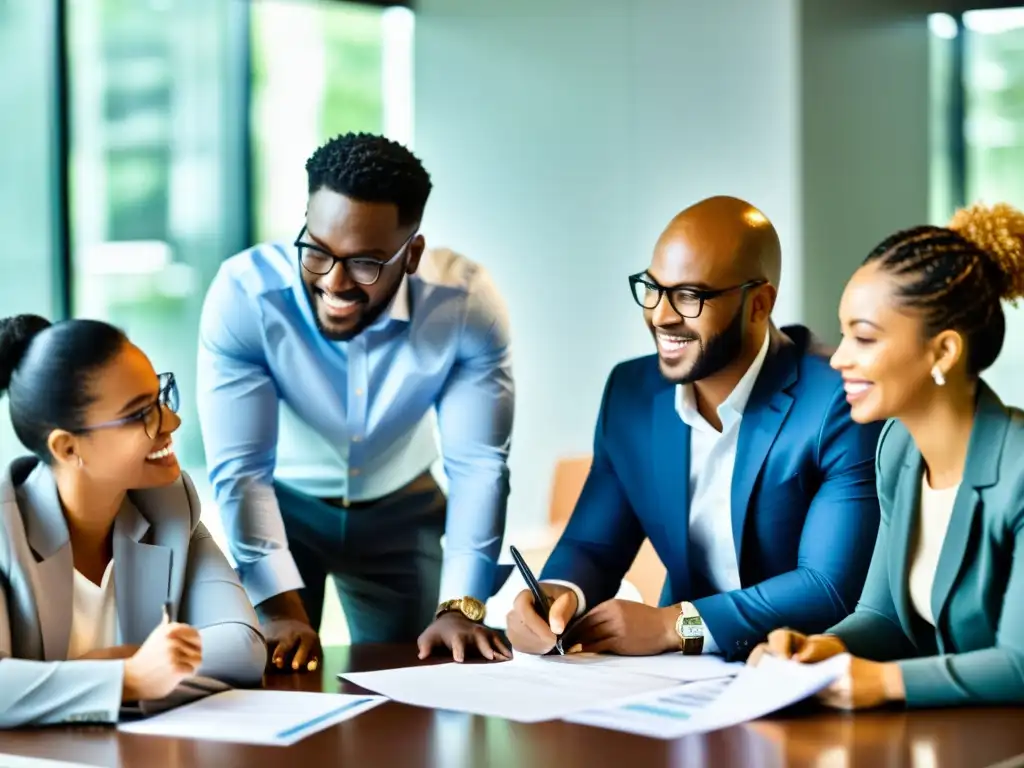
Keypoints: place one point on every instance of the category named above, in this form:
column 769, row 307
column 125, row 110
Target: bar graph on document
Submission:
column 676, row 705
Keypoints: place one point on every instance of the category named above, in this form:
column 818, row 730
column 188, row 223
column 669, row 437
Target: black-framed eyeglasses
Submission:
column 151, row 416
column 364, row 270
column 685, row 300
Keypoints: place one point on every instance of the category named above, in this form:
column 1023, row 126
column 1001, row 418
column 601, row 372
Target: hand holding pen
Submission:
column 540, row 614
column 171, row 653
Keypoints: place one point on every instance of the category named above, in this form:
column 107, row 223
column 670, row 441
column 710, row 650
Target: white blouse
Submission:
column 933, row 520
column 93, row 614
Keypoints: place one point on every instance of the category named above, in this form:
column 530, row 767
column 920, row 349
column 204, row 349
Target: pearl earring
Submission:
column 940, row 379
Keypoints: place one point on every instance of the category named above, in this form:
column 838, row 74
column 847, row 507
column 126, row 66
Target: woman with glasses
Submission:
column 111, row 589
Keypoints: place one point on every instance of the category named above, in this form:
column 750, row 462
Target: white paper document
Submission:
column 531, row 688
column 712, row 704
column 674, row 665
column 272, row 718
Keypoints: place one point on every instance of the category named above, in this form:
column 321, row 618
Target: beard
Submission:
column 715, row 353
column 366, row 318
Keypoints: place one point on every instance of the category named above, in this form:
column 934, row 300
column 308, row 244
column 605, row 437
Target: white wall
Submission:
column 864, row 138
column 562, row 136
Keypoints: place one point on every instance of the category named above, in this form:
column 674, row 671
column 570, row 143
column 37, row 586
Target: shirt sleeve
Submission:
column 475, row 410
column 238, row 413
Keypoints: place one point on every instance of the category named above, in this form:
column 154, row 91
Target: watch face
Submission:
column 692, row 632
column 473, row 609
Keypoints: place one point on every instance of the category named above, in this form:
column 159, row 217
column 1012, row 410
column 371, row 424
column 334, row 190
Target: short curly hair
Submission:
column 372, row 169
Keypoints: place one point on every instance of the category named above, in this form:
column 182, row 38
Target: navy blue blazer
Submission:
column 804, row 506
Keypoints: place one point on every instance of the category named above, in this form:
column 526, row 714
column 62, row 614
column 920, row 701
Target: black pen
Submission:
column 540, row 600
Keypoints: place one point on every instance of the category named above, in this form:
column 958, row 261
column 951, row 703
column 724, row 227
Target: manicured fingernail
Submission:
column 278, row 663
column 295, row 665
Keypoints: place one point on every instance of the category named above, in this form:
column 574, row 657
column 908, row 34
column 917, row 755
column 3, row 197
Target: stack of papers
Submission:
column 531, row 689
column 662, row 696
column 272, row 718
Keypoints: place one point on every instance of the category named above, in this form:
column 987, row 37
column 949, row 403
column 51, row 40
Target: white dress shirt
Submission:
column 712, row 459
column 933, row 520
column 93, row 614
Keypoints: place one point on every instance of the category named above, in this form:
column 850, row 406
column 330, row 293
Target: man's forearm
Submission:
column 286, row 605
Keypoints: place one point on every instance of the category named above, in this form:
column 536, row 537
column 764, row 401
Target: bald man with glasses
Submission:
column 732, row 449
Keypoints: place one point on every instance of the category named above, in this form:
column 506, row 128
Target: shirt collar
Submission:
column 731, row 409
column 399, row 309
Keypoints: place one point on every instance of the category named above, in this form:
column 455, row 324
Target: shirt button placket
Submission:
column 358, row 377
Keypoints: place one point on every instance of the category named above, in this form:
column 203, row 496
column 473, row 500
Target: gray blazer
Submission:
column 975, row 652
column 161, row 553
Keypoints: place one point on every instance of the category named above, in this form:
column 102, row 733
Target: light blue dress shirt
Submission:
column 355, row 419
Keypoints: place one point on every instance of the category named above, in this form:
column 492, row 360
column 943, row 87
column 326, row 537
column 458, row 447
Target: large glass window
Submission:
column 176, row 106
column 994, row 125
column 155, row 179
column 994, row 143
column 320, row 68
column 27, row 155
column 992, row 139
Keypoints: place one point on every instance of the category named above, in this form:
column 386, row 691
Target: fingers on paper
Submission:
column 503, row 649
column 482, row 640
column 818, row 649
column 835, row 696
column 425, row 643
column 458, row 646
column 283, row 650
column 306, row 658
column 782, row 643
column 757, row 654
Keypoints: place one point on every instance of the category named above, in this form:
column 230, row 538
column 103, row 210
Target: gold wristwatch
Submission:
column 468, row 606
column 690, row 628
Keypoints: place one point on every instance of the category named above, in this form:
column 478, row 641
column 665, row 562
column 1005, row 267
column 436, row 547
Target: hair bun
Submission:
column 998, row 230
column 16, row 334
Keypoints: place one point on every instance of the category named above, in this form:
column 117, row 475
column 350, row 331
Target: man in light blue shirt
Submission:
column 322, row 364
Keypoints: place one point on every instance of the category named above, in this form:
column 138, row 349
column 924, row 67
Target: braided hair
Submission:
column 957, row 275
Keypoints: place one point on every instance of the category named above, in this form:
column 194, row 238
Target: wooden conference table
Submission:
column 399, row 735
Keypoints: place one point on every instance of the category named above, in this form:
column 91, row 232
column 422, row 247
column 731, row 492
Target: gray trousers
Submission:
column 384, row 557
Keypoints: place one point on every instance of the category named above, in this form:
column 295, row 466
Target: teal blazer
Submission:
column 975, row 652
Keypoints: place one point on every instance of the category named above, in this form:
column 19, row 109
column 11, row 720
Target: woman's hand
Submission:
column 787, row 644
column 865, row 684
column 171, row 653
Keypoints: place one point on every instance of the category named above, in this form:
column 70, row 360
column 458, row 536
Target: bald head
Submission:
column 709, row 291
column 731, row 239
